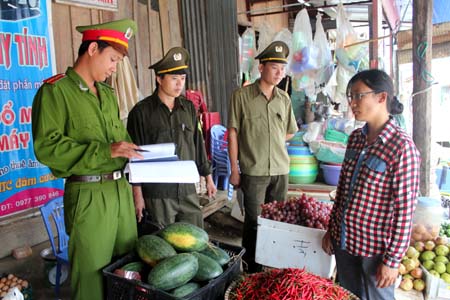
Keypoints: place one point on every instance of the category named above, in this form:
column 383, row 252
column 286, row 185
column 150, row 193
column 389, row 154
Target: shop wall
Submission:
column 276, row 21
column 158, row 30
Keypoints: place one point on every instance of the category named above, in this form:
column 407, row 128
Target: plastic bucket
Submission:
column 331, row 173
column 303, row 166
column 297, row 139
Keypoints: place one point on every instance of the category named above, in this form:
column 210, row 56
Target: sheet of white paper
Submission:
column 157, row 152
column 181, row 171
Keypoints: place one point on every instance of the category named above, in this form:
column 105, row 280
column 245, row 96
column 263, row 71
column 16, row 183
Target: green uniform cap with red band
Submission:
column 115, row 33
column 277, row 52
column 175, row 60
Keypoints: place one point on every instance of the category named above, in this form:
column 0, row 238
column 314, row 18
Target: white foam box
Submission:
column 283, row 245
column 435, row 288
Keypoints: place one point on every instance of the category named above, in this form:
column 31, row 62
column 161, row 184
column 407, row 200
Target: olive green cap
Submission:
column 277, row 52
column 176, row 59
column 115, row 33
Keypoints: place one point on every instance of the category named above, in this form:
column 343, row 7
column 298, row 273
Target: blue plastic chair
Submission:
column 220, row 160
column 53, row 213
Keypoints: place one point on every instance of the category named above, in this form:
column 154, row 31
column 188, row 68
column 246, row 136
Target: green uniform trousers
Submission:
column 101, row 222
column 165, row 211
column 258, row 190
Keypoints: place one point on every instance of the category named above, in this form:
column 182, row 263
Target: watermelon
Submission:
column 152, row 249
column 173, row 272
column 216, row 253
column 135, row 266
column 185, row 237
column 186, row 289
column 208, row 268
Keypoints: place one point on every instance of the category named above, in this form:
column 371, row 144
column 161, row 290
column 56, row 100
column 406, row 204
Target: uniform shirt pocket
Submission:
column 86, row 128
column 185, row 138
column 252, row 125
column 118, row 130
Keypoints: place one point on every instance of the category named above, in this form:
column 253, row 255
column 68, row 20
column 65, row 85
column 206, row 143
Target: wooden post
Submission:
column 374, row 25
column 422, row 44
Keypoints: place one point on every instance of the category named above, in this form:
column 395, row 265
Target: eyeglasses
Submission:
column 358, row 96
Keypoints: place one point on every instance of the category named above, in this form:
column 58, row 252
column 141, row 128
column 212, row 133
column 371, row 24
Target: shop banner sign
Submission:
column 99, row 4
column 26, row 59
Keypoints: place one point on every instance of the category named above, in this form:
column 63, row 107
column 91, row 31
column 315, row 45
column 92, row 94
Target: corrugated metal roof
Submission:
column 210, row 35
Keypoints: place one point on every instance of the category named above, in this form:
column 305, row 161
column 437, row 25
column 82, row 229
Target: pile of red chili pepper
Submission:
column 288, row 284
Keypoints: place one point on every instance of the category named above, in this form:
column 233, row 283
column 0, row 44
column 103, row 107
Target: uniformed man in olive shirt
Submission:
column 260, row 121
column 166, row 117
column 78, row 134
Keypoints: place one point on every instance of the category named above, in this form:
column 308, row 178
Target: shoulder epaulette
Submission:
column 55, row 78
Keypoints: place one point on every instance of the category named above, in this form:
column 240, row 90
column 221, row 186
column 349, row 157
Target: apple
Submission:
column 441, row 240
column 417, row 273
column 445, row 277
column 441, row 250
column 434, row 273
column 409, row 265
column 402, row 269
column 407, row 276
column 420, row 246
column 441, row 258
column 427, row 255
column 440, row 267
column 406, row 284
column 416, row 262
column 412, row 252
column 429, row 245
column 428, row 264
column 418, row 285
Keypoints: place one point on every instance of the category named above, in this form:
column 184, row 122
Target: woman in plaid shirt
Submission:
column 370, row 224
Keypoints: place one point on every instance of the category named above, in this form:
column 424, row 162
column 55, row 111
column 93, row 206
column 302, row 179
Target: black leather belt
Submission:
column 96, row 178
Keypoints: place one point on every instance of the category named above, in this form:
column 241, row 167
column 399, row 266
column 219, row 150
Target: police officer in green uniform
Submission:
column 260, row 121
column 78, row 134
column 167, row 117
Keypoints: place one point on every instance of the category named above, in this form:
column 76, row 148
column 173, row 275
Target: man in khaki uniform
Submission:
column 167, row 117
column 79, row 136
column 260, row 121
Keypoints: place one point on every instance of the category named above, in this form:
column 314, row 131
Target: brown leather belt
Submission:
column 96, row 178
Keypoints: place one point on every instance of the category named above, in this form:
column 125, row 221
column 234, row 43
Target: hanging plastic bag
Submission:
column 304, row 60
column 348, row 56
column 266, row 35
column 246, row 59
column 285, row 36
column 325, row 62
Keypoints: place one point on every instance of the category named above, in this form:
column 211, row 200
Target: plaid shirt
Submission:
column 380, row 182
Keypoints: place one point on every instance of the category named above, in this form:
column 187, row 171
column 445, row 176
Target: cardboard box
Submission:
column 435, row 288
column 283, row 245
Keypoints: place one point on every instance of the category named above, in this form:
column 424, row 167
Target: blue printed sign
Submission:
column 26, row 59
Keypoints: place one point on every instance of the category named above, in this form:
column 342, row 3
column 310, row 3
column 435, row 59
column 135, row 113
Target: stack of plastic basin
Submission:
column 297, row 139
column 331, row 173
column 303, row 166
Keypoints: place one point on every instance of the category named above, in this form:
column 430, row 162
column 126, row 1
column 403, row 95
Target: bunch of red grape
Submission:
column 303, row 210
